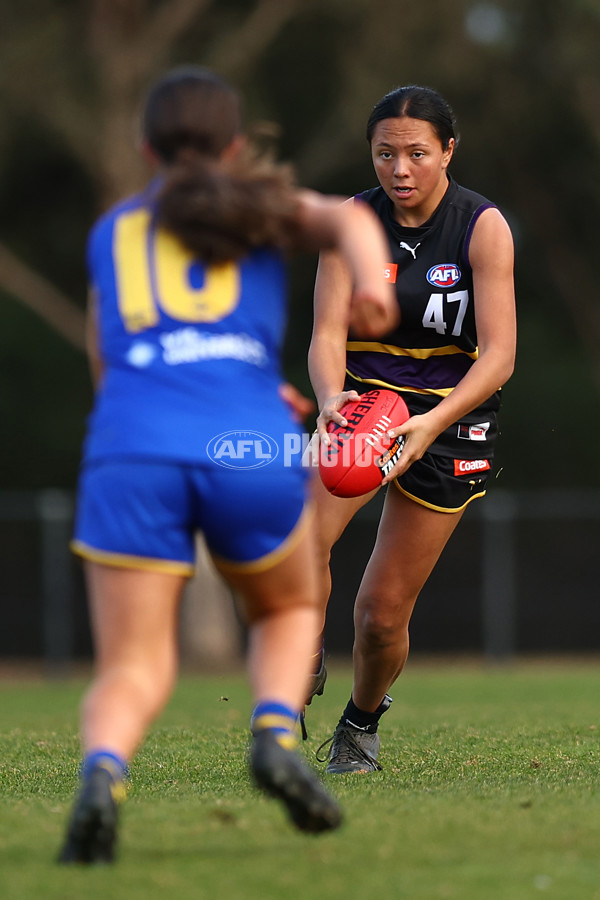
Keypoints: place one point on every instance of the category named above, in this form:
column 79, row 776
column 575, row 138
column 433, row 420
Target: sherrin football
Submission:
column 361, row 454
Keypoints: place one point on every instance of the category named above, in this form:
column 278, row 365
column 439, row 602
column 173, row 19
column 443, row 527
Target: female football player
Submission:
column 450, row 259
column 188, row 432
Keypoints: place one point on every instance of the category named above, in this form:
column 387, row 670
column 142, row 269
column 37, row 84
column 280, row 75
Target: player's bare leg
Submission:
column 281, row 606
column 409, row 542
column 333, row 514
column 134, row 616
column 134, row 623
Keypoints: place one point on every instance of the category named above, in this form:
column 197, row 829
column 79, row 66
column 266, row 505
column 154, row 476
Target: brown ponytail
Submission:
column 219, row 208
column 222, row 210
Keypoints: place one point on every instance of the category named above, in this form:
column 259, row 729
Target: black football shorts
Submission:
column 444, row 483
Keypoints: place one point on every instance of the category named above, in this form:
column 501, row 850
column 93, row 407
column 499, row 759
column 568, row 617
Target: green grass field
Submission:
column 490, row 789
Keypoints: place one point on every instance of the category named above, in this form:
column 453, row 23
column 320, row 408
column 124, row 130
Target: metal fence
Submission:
column 520, row 574
column 39, row 598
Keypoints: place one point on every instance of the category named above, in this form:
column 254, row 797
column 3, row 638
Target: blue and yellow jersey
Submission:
column 189, row 350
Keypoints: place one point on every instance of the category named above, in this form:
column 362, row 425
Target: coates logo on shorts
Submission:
column 467, row 466
column 445, row 275
column 242, row 449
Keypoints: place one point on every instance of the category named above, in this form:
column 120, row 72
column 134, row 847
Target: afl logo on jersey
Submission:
column 445, row 275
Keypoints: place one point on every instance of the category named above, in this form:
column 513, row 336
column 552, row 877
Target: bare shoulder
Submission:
column 491, row 238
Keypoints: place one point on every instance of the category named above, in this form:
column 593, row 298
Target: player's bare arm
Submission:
column 491, row 254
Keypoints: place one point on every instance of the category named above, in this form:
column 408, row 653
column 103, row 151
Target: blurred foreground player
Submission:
column 187, row 316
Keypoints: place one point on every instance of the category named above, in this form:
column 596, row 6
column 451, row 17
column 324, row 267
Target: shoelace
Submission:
column 347, row 749
column 303, row 731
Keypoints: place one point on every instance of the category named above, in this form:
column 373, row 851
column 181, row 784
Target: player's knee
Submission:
column 322, row 553
column 152, row 681
column 380, row 626
column 376, row 635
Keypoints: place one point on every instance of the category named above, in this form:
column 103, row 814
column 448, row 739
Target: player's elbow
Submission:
column 499, row 363
column 506, row 369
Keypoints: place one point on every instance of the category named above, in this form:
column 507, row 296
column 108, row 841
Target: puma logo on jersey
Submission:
column 473, row 432
column 412, row 250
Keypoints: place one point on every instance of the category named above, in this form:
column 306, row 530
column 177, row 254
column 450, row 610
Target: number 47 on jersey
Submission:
column 440, row 308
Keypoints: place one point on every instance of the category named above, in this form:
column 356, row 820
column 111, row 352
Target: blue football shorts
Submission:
column 145, row 514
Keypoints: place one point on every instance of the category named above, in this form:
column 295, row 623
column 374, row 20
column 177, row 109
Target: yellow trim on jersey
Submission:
column 442, row 509
column 440, row 392
column 124, row 561
column 275, row 556
column 413, row 352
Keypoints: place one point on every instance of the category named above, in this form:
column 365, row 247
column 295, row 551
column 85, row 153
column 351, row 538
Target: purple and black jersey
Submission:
column 435, row 343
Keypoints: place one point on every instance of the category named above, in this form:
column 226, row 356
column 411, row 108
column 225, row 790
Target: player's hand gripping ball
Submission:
column 361, row 454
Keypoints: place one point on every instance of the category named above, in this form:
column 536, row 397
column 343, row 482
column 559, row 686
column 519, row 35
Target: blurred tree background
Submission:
column 521, row 75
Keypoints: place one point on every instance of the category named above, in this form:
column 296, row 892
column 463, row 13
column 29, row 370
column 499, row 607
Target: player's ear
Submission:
column 449, row 152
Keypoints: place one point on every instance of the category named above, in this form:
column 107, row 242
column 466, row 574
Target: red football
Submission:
column 361, row 454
